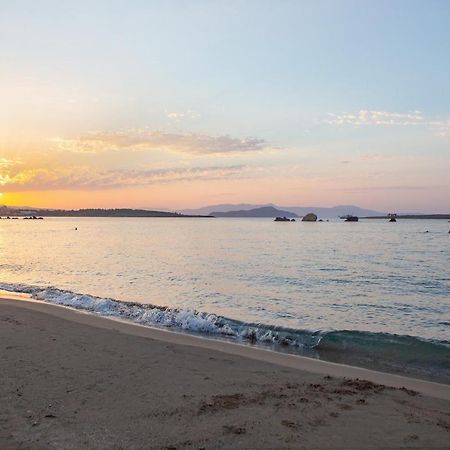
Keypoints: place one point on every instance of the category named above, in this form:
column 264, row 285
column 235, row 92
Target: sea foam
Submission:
column 391, row 351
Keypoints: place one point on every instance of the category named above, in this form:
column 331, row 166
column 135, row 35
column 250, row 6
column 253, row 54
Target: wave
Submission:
column 380, row 350
column 178, row 319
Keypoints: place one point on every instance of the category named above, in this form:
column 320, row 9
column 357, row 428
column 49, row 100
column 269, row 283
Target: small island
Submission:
column 118, row 212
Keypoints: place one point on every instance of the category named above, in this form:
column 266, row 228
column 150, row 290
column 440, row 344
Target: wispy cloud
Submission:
column 84, row 178
column 392, row 188
column 5, row 163
column 366, row 117
column 178, row 116
column 147, row 140
column 372, row 117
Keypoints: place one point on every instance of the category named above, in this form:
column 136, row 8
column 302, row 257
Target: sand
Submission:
column 72, row 380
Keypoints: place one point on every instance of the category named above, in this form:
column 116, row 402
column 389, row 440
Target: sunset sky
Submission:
column 177, row 104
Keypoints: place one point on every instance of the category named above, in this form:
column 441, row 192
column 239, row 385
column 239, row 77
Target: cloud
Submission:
column 147, row 140
column 442, row 127
column 175, row 115
column 178, row 116
column 372, row 117
column 392, row 188
column 5, row 163
column 10, row 169
column 366, row 117
column 84, row 178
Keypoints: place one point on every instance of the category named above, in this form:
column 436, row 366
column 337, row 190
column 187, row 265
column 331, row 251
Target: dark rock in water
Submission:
column 392, row 219
column 320, row 220
column 282, row 219
column 350, row 218
column 292, row 220
column 311, row 217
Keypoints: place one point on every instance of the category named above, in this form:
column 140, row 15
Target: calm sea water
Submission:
column 369, row 277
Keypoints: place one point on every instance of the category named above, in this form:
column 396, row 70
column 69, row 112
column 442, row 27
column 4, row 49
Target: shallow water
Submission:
column 370, row 276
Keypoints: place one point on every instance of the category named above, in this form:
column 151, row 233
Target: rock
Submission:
column 282, row 219
column 311, row 217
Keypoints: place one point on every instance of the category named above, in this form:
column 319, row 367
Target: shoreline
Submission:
column 311, row 365
column 403, row 355
column 73, row 380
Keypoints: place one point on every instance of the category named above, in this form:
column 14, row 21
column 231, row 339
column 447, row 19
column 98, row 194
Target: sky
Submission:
column 176, row 104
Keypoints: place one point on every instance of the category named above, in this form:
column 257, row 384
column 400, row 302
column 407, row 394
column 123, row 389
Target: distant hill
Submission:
column 264, row 211
column 333, row 212
column 223, row 207
column 120, row 212
column 321, row 212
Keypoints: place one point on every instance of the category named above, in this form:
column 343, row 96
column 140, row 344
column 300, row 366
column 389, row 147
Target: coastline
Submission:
column 298, row 362
column 76, row 380
column 402, row 355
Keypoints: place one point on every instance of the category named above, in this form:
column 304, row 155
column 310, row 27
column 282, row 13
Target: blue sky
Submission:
column 329, row 87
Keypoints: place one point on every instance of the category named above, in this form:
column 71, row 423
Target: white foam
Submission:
column 184, row 319
column 181, row 319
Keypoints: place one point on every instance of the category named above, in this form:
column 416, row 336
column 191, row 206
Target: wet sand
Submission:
column 75, row 380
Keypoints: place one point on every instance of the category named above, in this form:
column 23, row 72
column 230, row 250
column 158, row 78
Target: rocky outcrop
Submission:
column 282, row 219
column 311, row 217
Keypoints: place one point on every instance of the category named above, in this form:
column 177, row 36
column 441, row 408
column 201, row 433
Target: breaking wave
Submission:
column 380, row 350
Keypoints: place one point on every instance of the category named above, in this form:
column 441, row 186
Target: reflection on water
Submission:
column 371, row 275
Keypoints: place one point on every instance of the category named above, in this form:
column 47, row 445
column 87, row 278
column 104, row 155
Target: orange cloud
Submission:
column 85, row 178
column 147, row 140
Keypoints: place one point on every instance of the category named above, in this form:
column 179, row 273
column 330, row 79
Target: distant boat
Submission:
column 392, row 217
column 350, row 218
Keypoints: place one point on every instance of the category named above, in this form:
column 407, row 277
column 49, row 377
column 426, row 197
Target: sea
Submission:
column 371, row 293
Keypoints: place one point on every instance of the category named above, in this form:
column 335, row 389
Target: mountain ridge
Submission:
column 324, row 212
column 263, row 211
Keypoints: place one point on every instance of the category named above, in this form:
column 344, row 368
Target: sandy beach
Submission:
column 74, row 380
